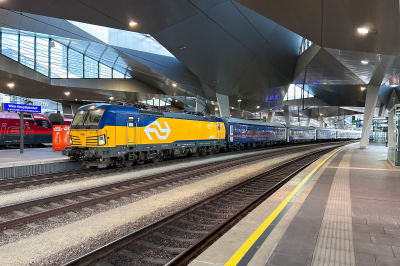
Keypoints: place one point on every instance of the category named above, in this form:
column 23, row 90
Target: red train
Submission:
column 37, row 129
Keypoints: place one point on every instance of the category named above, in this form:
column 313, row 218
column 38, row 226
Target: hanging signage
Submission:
column 22, row 108
column 357, row 122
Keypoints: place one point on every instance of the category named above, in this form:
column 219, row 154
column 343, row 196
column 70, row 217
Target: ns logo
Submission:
column 157, row 130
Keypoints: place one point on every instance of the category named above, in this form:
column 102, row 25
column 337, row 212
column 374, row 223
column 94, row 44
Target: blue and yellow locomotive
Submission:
column 103, row 135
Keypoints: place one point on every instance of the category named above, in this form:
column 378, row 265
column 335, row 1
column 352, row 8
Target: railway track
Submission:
column 29, row 211
column 10, row 184
column 180, row 237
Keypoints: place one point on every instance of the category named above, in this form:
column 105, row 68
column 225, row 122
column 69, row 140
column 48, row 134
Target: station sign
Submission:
column 22, row 108
column 356, row 122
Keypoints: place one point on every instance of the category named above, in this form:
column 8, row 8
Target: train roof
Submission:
column 131, row 109
column 300, row 127
column 115, row 108
column 250, row 122
column 324, row 128
column 344, row 130
column 15, row 115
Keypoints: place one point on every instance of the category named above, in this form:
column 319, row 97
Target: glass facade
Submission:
column 394, row 150
column 126, row 39
column 53, row 59
column 295, row 92
column 305, row 44
column 379, row 131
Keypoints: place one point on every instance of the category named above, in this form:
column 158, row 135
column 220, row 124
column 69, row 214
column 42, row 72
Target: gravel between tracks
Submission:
column 57, row 246
column 46, row 190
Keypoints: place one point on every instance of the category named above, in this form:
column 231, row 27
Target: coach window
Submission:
column 28, row 118
column 131, row 122
column 43, row 123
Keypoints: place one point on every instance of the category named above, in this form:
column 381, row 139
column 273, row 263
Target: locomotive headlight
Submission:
column 102, row 140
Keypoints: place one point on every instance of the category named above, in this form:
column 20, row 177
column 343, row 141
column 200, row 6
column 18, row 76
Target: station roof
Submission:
column 246, row 49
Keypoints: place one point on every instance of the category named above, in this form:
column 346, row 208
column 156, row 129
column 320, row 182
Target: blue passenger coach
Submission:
column 248, row 133
column 297, row 134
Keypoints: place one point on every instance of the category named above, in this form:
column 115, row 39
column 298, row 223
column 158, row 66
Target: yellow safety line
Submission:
column 234, row 260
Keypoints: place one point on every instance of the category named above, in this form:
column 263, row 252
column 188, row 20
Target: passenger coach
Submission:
column 324, row 134
column 248, row 133
column 296, row 134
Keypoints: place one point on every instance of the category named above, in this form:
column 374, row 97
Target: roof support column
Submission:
column 66, row 109
column 223, row 105
column 391, row 127
column 271, row 116
column 308, row 122
column 287, row 114
column 321, row 121
column 201, row 105
column 381, row 111
column 370, row 103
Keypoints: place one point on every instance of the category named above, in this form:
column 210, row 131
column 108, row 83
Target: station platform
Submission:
column 344, row 209
column 33, row 162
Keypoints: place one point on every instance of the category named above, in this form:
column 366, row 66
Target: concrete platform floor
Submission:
column 344, row 209
column 36, row 154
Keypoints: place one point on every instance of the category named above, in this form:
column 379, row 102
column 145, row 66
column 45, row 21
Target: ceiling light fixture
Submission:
column 182, row 48
column 362, row 30
column 258, row 106
column 67, row 93
column 10, row 85
column 132, row 23
column 240, row 100
column 364, row 62
column 362, row 88
column 111, row 98
column 216, row 109
column 320, row 114
column 174, row 84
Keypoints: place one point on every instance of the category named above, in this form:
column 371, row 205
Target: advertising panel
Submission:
column 60, row 137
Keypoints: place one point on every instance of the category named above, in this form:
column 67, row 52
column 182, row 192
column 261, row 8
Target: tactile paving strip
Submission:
column 335, row 240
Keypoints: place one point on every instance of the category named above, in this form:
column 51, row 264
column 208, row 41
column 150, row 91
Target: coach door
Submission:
column 131, row 126
column 230, row 133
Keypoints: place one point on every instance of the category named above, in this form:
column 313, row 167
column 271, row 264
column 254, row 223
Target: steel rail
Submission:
column 181, row 174
column 8, row 184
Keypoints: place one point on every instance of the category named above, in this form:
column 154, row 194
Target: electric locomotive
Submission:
column 103, row 135
column 37, row 129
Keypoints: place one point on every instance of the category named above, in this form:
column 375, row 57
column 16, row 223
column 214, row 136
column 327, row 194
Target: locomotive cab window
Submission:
column 87, row 119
